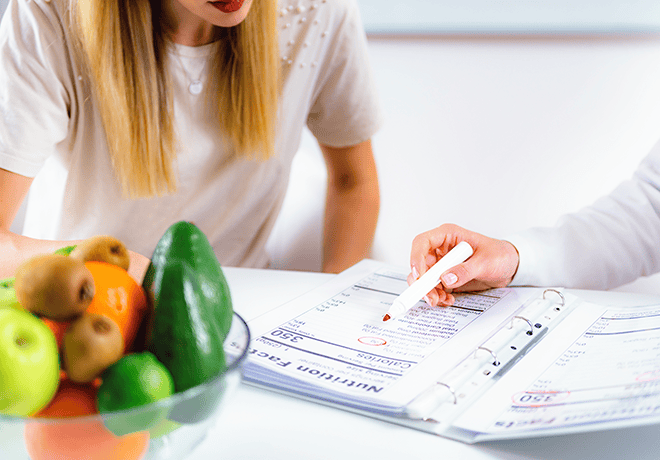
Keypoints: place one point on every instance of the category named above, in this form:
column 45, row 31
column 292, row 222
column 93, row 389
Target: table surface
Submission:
column 260, row 424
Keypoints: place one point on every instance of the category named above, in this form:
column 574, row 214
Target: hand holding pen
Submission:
column 428, row 280
column 493, row 264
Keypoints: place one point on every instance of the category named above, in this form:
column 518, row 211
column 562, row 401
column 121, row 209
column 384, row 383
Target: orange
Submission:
column 78, row 439
column 118, row 296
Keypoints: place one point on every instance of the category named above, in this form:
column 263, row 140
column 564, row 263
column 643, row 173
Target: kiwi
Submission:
column 91, row 344
column 102, row 248
column 55, row 286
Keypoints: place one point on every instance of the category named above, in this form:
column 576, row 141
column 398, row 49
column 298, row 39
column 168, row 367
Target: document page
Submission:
column 604, row 368
column 333, row 343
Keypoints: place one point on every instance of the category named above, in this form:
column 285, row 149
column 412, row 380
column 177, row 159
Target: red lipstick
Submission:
column 228, row 6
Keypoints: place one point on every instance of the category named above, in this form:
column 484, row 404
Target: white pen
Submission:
column 428, row 280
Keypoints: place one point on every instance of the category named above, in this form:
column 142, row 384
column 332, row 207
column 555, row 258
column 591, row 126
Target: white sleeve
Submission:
column 35, row 85
column 346, row 109
column 612, row 242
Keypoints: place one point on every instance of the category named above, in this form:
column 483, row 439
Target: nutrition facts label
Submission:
column 611, row 371
column 343, row 340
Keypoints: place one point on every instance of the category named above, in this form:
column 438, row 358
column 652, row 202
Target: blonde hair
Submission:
column 124, row 46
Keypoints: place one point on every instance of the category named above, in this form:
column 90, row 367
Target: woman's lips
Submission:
column 228, row 6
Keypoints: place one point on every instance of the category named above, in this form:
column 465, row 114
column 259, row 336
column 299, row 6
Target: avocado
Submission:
column 184, row 241
column 185, row 335
column 192, row 313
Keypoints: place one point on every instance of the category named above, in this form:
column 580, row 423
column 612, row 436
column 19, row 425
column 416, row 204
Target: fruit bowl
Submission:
column 166, row 429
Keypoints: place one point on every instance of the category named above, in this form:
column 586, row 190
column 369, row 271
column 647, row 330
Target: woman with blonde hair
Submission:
column 123, row 117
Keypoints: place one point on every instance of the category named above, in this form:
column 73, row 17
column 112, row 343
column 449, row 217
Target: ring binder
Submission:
column 531, row 327
column 422, row 406
column 561, row 296
column 504, row 356
column 492, row 353
column 445, row 377
column 453, row 393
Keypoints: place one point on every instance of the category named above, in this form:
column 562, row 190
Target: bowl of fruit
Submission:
column 95, row 366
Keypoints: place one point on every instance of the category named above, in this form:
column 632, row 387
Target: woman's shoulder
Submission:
column 36, row 32
column 41, row 9
column 39, row 15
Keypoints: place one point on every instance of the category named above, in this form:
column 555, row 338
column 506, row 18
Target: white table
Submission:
column 259, row 424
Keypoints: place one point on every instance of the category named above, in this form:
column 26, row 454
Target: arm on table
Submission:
column 15, row 248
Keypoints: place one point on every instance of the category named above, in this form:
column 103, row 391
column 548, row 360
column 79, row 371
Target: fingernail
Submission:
column 449, row 279
column 427, row 300
column 415, row 273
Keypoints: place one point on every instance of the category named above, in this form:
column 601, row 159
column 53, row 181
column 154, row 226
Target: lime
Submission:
column 137, row 379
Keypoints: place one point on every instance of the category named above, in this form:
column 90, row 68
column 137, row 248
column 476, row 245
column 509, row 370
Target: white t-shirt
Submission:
column 610, row 243
column 50, row 130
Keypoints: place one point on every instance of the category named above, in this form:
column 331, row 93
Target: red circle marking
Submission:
column 372, row 341
column 649, row 376
column 539, row 398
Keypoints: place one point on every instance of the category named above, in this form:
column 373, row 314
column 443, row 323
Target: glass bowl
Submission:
column 166, row 429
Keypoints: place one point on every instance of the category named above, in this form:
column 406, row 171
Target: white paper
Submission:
column 601, row 368
column 333, row 344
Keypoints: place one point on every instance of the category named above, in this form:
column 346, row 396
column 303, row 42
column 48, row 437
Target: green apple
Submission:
column 7, row 294
column 29, row 363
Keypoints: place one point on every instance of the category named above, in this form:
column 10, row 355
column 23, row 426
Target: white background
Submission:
column 495, row 133
column 510, row 15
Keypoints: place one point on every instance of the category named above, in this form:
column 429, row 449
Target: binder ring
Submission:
column 453, row 393
column 561, row 296
column 531, row 328
column 492, row 353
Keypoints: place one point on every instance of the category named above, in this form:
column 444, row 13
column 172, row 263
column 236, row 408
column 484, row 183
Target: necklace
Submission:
column 196, row 85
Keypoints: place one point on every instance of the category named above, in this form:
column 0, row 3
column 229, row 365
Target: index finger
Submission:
column 429, row 247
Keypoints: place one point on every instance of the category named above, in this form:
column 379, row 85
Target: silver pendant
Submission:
column 195, row 87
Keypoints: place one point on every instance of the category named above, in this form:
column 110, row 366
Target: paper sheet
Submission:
column 335, row 339
column 602, row 366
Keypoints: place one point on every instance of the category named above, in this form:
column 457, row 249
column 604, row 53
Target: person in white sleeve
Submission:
column 612, row 242
column 122, row 117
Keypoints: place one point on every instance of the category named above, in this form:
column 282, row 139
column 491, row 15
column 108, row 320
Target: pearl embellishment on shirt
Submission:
column 300, row 8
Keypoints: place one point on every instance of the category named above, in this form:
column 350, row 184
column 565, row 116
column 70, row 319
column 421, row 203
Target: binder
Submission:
column 500, row 364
